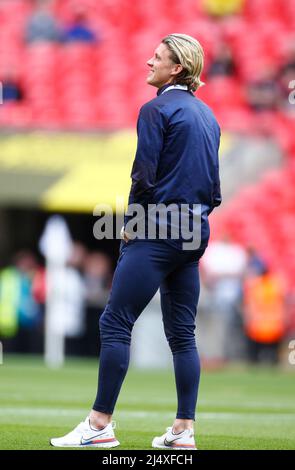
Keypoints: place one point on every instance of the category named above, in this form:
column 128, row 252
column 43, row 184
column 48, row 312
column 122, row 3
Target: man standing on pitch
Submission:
column 176, row 163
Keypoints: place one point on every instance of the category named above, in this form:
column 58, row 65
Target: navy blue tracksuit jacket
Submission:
column 177, row 155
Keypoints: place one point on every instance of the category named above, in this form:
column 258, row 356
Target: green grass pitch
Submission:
column 238, row 408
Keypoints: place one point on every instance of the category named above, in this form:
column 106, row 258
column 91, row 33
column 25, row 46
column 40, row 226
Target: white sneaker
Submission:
column 169, row 440
column 86, row 436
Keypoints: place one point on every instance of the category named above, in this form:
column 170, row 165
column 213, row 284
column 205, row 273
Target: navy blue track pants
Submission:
column 144, row 266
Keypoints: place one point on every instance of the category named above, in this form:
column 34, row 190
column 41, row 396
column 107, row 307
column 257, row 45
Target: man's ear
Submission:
column 177, row 69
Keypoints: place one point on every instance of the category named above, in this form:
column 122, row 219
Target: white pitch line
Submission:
column 79, row 412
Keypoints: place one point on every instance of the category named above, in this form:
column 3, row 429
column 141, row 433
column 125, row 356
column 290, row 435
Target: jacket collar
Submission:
column 171, row 86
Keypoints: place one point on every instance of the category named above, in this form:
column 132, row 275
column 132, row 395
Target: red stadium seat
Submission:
column 223, row 92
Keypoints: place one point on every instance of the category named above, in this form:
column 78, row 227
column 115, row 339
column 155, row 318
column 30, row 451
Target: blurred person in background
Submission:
column 97, row 278
column 176, row 160
column 80, row 30
column 264, row 316
column 223, row 63
column 12, row 90
column 30, row 316
column 20, row 315
column 42, row 26
column 9, row 306
column 223, row 268
column 255, row 263
column 74, row 300
column 263, row 92
column 39, row 294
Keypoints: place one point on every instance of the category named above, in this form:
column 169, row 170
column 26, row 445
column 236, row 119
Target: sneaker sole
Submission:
column 158, row 446
column 105, row 445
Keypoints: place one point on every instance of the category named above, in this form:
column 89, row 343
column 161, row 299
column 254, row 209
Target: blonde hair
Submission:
column 188, row 52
